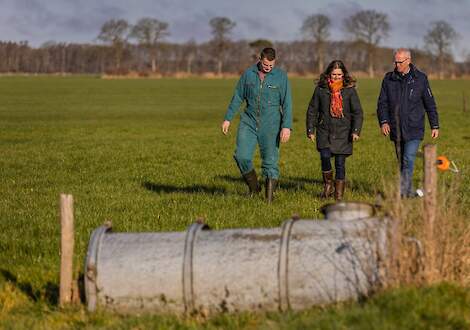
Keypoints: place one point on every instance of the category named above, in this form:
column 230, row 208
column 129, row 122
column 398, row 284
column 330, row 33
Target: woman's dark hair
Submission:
column 336, row 64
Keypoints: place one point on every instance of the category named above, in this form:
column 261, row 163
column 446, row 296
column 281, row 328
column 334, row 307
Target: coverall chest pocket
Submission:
column 274, row 95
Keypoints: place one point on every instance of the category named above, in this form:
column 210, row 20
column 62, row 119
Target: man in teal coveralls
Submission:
column 266, row 120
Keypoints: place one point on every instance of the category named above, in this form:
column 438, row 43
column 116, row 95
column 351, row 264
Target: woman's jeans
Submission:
column 340, row 163
column 406, row 154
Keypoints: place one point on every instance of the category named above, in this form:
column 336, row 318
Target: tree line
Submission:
column 142, row 48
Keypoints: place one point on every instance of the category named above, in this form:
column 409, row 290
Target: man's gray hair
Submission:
column 402, row 51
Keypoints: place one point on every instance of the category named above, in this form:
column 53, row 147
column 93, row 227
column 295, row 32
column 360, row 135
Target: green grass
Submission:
column 438, row 307
column 149, row 155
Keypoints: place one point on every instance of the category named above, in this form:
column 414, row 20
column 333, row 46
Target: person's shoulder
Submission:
column 249, row 73
column 279, row 72
column 321, row 89
column 350, row 85
column 389, row 75
column 349, row 89
column 418, row 73
column 321, row 84
column 250, row 69
column 317, row 88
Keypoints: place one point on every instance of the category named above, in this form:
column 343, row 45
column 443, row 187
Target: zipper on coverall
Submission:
column 259, row 103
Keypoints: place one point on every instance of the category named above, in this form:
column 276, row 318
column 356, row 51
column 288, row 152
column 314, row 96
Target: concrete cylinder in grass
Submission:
column 295, row 266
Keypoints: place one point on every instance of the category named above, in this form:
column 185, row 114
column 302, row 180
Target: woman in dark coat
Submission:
column 334, row 120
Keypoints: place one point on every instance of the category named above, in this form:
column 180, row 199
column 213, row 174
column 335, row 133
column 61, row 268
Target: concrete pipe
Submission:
column 302, row 263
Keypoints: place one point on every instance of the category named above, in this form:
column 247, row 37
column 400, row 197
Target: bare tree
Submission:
column 148, row 32
column 438, row 42
column 369, row 27
column 221, row 28
column 115, row 32
column 317, row 28
column 190, row 50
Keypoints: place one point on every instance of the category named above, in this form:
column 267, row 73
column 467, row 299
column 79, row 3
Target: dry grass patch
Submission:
column 418, row 256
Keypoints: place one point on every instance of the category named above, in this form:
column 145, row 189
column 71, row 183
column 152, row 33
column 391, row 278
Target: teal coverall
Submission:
column 268, row 109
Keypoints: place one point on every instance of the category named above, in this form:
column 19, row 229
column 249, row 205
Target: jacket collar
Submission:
column 325, row 86
column 255, row 68
column 397, row 76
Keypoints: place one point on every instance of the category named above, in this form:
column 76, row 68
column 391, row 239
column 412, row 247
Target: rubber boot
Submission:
column 339, row 190
column 327, row 184
column 252, row 182
column 270, row 188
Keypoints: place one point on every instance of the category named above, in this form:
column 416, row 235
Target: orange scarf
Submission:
column 336, row 103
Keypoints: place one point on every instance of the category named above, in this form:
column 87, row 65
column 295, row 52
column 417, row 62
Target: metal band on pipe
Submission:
column 91, row 262
column 283, row 265
column 188, row 291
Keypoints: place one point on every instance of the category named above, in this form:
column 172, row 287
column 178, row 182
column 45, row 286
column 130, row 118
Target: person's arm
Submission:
column 237, row 100
column 312, row 114
column 431, row 109
column 383, row 110
column 286, row 104
column 357, row 116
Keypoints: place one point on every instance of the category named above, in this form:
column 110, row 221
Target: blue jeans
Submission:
column 340, row 163
column 406, row 154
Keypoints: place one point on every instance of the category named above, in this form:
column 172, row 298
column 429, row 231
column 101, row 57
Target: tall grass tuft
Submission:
column 418, row 257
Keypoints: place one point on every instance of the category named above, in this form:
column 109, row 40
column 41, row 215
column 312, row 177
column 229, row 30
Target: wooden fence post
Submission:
column 66, row 249
column 430, row 207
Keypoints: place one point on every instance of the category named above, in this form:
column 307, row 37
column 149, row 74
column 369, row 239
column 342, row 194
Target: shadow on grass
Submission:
column 302, row 183
column 363, row 187
column 229, row 178
column 297, row 183
column 353, row 185
column 288, row 183
column 194, row 189
column 49, row 292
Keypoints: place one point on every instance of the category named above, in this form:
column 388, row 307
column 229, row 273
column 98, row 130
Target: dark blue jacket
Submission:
column 403, row 101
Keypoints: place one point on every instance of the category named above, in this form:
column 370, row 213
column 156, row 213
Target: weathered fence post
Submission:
column 66, row 249
column 430, row 207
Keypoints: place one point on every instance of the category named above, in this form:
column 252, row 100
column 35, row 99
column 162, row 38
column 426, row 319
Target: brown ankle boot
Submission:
column 252, row 181
column 327, row 184
column 271, row 185
column 339, row 189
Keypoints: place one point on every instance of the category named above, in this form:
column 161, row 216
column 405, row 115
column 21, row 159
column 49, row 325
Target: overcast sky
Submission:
column 39, row 21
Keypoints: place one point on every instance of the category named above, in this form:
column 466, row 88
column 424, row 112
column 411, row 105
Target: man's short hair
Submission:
column 402, row 50
column 268, row 53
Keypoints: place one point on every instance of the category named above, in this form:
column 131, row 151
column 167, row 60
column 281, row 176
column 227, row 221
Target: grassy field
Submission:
column 149, row 155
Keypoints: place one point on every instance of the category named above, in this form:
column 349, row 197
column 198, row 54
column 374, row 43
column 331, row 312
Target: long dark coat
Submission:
column 334, row 133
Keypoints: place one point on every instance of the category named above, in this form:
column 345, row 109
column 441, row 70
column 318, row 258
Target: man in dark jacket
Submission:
column 404, row 99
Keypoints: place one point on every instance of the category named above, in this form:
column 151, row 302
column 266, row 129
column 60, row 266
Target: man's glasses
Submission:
column 401, row 62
